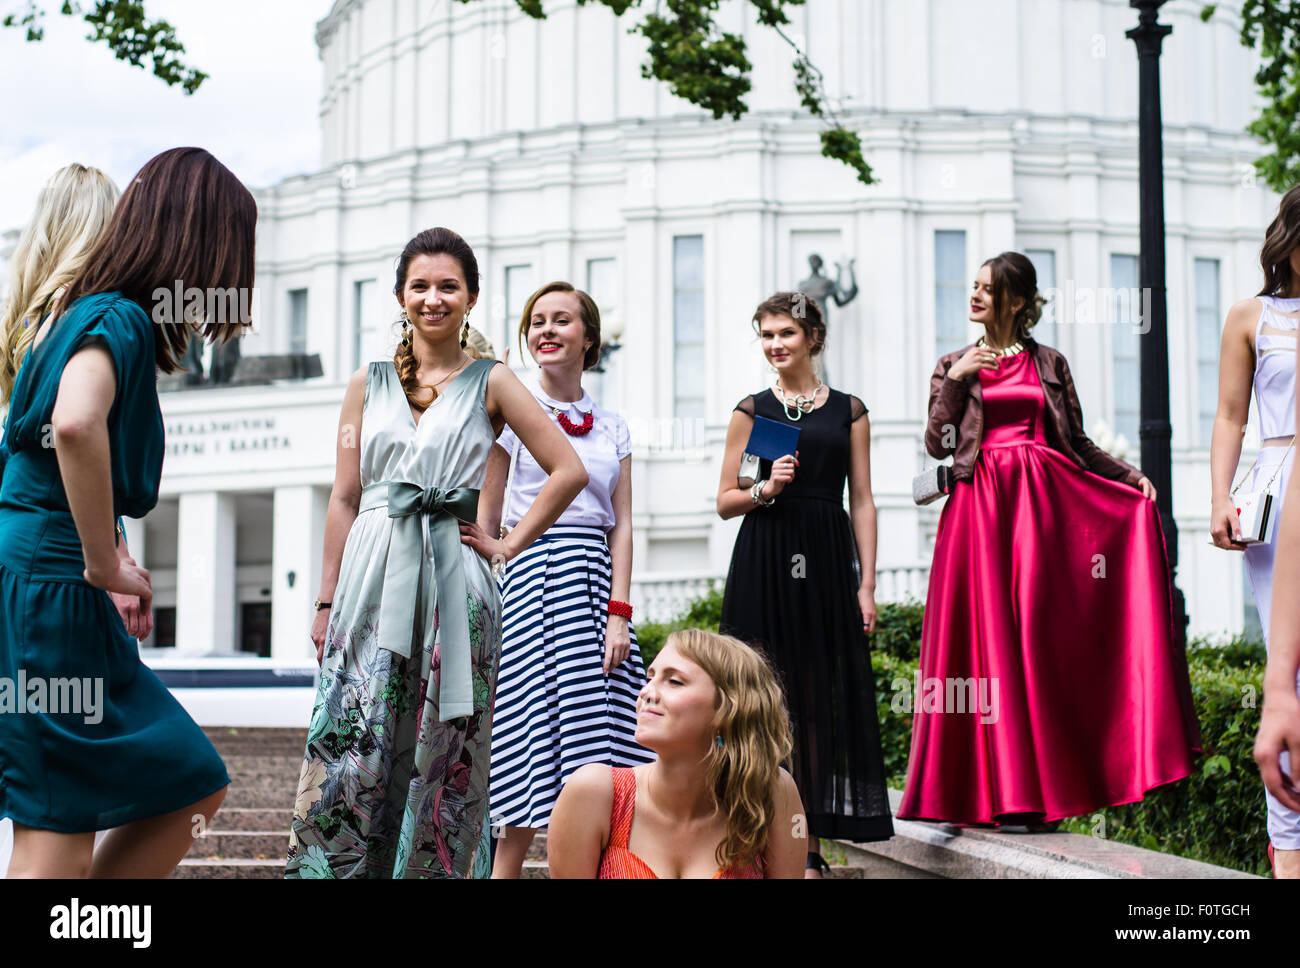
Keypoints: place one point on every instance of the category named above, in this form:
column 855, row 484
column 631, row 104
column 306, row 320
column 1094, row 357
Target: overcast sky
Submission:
column 66, row 99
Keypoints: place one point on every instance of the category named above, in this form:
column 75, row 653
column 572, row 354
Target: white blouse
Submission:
column 600, row 450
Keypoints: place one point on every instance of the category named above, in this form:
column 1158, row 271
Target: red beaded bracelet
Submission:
column 620, row 608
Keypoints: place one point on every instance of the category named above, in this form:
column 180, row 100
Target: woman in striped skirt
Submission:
column 570, row 666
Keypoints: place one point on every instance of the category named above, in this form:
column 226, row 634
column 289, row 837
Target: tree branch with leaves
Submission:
column 709, row 67
column 1273, row 26
column 125, row 28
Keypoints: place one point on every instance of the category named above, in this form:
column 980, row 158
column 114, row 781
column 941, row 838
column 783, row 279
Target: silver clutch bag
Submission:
column 748, row 472
column 932, row 484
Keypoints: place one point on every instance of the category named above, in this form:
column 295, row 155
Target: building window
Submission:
column 1044, row 261
column 603, row 284
column 298, row 321
column 951, row 295
column 363, row 301
column 1126, row 310
column 1206, row 275
column 689, row 371
column 164, row 628
column 519, row 286
column 255, row 628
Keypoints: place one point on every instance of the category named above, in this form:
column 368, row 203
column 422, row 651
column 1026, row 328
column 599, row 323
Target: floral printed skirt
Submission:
column 387, row 790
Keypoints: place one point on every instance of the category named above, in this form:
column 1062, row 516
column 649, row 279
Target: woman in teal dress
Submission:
column 394, row 780
column 90, row 739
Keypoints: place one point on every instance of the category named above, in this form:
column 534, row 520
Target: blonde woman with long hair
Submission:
column 716, row 803
column 71, row 214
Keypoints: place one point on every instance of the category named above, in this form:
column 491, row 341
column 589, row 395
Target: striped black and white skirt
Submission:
column 555, row 707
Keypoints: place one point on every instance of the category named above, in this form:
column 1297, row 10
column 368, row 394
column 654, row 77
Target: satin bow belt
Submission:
column 403, row 575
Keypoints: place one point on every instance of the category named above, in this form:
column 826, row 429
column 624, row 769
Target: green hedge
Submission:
column 1217, row 815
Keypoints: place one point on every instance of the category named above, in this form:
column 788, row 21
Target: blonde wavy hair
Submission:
column 755, row 730
column 71, row 215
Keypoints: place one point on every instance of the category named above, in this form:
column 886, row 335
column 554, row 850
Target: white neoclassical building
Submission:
column 992, row 125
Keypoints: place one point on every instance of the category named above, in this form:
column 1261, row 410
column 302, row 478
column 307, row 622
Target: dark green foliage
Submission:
column 127, row 31
column 709, row 67
column 1273, row 26
column 703, row 613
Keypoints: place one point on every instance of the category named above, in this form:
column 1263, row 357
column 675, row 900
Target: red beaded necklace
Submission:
column 571, row 428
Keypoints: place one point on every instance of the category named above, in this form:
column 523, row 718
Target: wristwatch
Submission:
column 320, row 605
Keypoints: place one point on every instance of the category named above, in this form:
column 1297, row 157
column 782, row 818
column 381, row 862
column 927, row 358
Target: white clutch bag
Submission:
column 1257, row 511
column 1257, row 515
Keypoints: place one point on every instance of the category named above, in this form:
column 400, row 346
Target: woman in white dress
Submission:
column 1259, row 348
column 570, row 665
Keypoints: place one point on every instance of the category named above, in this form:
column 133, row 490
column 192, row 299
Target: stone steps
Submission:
column 229, row 869
column 241, row 845
column 276, row 819
column 257, row 741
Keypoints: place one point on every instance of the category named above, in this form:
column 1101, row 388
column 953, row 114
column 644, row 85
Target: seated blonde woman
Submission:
column 716, row 803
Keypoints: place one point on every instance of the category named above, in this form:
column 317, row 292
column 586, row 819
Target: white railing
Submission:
column 662, row 597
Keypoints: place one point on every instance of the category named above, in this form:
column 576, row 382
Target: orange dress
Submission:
column 619, row 863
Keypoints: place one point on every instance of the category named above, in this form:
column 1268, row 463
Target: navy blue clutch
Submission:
column 769, row 440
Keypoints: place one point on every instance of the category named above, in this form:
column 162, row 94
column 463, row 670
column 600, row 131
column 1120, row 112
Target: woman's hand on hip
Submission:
column 867, row 603
column 1224, row 526
column 493, row 549
column 618, row 643
column 136, row 610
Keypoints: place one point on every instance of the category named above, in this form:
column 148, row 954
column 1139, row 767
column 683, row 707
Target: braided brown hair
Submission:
column 1014, row 277
column 438, row 241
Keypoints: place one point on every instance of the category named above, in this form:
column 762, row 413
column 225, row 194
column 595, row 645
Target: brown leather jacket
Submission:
column 959, row 404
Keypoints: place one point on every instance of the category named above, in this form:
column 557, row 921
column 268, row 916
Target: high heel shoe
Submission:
column 816, row 862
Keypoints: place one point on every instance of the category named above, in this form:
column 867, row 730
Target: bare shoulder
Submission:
column 594, row 781
column 585, row 802
column 1243, row 315
column 785, row 785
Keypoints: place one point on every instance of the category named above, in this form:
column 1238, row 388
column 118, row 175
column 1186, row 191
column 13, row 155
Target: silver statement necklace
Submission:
column 801, row 404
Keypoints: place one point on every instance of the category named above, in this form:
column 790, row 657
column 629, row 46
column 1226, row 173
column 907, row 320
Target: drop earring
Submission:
column 464, row 332
column 406, row 330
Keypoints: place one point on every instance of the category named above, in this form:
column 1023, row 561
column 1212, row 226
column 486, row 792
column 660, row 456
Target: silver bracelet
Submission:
column 756, row 494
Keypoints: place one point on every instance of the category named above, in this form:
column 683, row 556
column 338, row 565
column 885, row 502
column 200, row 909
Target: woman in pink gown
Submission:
column 1050, row 685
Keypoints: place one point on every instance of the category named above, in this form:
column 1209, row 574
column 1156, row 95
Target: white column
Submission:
column 298, row 520
column 205, row 574
column 133, row 529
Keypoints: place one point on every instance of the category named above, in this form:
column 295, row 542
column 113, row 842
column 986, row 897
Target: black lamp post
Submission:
column 1155, row 430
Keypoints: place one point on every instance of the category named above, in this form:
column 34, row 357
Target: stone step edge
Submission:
column 964, row 852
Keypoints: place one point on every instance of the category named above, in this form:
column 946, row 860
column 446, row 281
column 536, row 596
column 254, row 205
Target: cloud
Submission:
column 68, row 100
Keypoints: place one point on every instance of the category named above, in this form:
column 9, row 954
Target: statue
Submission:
column 225, row 358
column 821, row 288
column 193, row 362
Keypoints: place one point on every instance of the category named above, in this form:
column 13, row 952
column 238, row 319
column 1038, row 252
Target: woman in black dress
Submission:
column 795, row 586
